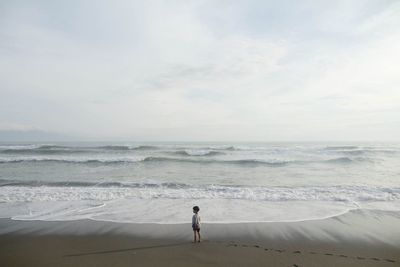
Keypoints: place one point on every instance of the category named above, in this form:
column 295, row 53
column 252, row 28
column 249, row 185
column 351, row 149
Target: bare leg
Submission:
column 198, row 232
column 194, row 236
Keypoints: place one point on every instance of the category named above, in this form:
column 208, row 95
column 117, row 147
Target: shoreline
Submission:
column 358, row 238
column 352, row 226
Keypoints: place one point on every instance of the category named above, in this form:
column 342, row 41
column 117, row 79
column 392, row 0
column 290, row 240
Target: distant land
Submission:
column 31, row 135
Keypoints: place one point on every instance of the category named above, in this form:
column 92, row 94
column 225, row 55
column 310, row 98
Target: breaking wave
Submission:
column 193, row 160
column 40, row 191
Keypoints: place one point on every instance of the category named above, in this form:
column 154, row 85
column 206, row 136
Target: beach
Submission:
column 358, row 238
column 269, row 128
column 261, row 204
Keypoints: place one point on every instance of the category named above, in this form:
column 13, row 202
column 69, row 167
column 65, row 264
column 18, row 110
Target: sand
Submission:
column 358, row 238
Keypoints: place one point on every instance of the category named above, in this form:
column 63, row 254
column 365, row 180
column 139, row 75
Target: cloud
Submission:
column 202, row 70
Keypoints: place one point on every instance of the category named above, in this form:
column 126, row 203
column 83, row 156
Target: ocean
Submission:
column 161, row 182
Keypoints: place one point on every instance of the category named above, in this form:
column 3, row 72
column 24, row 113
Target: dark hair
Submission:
column 196, row 208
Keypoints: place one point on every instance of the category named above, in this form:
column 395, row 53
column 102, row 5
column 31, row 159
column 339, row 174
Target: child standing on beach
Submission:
column 196, row 224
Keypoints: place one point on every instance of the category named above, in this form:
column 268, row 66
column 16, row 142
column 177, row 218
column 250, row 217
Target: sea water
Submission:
column 161, row 182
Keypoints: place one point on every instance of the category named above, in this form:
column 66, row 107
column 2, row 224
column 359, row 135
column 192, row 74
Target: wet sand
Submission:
column 358, row 238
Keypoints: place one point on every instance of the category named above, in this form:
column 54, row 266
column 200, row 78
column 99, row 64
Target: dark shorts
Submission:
column 196, row 228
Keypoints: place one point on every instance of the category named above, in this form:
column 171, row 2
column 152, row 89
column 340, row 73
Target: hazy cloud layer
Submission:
column 202, row 70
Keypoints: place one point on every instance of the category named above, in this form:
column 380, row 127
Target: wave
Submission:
column 92, row 161
column 65, row 190
column 199, row 160
column 340, row 160
column 249, row 162
column 197, row 153
column 340, row 147
column 41, row 151
column 225, row 148
column 230, row 148
column 371, row 151
column 360, row 151
column 119, row 147
column 144, row 160
column 57, row 149
column 108, row 184
column 113, row 147
column 68, row 161
column 145, row 148
column 203, row 161
column 53, row 147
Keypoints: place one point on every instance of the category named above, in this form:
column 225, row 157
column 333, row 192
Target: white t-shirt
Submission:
column 196, row 219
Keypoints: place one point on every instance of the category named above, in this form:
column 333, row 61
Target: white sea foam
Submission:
column 172, row 210
column 171, row 204
column 111, row 191
column 168, row 211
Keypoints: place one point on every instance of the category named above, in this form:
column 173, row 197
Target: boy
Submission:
column 196, row 223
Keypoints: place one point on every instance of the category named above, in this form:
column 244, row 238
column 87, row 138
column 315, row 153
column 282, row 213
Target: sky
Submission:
column 201, row 70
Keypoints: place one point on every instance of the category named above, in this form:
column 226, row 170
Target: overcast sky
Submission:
column 202, row 70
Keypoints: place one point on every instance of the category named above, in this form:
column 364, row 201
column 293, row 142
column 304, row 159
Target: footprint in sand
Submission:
column 310, row 252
